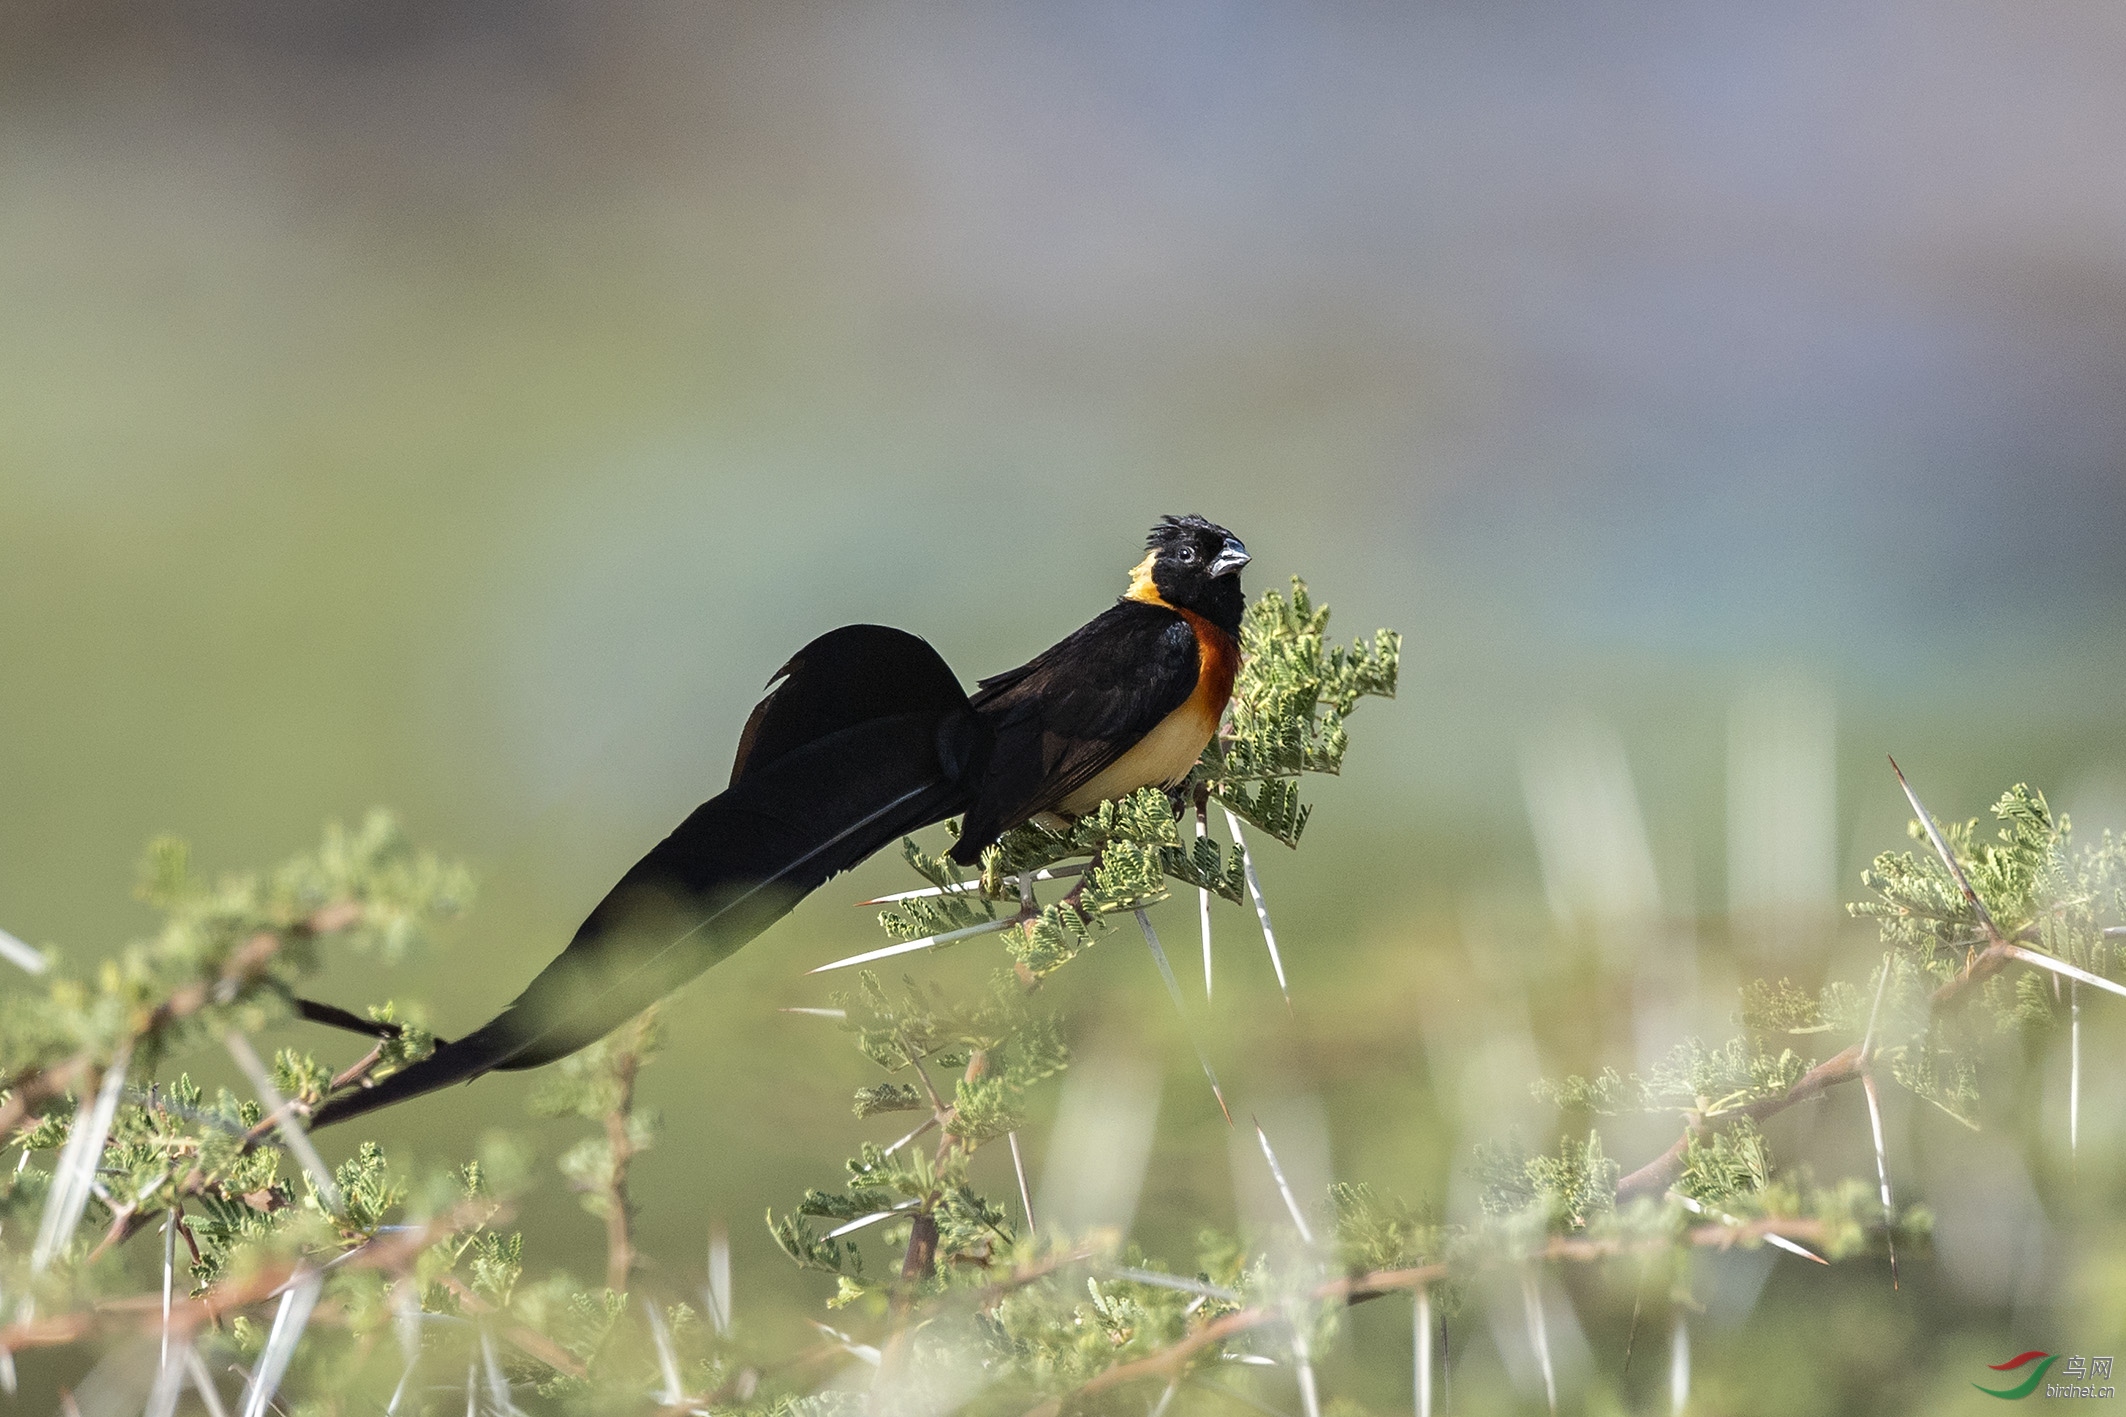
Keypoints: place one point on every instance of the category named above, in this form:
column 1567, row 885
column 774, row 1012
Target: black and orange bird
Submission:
column 865, row 736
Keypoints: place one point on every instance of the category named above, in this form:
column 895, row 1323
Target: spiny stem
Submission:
column 619, row 1210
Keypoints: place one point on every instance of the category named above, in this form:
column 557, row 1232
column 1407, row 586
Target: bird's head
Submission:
column 1192, row 564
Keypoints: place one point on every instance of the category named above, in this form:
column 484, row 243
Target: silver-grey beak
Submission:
column 1230, row 558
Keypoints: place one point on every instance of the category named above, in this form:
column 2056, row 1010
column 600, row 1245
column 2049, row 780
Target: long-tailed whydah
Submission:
column 866, row 736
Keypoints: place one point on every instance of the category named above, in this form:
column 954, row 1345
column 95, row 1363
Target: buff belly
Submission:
column 1160, row 758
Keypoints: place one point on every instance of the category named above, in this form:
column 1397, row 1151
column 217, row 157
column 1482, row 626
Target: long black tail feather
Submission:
column 868, row 738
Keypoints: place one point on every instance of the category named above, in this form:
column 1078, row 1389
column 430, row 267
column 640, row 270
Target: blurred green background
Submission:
column 465, row 407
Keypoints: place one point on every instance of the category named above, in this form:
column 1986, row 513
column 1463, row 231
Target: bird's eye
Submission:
column 1187, row 555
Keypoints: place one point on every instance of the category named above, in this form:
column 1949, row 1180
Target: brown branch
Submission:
column 916, row 1265
column 1358, row 1288
column 245, row 965
column 1239, row 1321
column 184, row 1232
column 394, row 1252
column 938, row 1106
column 184, row 1316
column 1656, row 1176
column 358, row 1071
column 619, row 1242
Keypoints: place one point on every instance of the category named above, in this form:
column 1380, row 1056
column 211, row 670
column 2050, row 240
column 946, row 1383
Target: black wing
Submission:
column 1057, row 720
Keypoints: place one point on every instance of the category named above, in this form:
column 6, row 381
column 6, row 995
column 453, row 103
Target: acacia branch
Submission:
column 246, row 965
column 1359, row 1288
column 394, row 1252
column 1656, row 1176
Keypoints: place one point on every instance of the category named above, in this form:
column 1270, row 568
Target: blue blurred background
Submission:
column 465, row 407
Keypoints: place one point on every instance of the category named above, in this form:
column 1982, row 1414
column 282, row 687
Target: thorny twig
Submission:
column 1359, row 1288
column 393, row 1251
column 246, row 965
column 2000, row 950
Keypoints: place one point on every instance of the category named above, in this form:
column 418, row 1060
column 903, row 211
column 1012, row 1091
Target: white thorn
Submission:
column 1203, row 907
column 719, row 1291
column 1867, row 1043
column 406, row 1324
column 921, row 1127
column 1262, row 907
column 849, row 1345
column 667, row 1361
column 1309, row 1393
column 1882, row 1163
column 1173, row 987
column 2074, row 1072
column 872, row 1219
column 2061, row 967
column 289, row 1321
column 1770, row 1239
column 1050, row 873
column 203, row 1382
column 169, row 1386
column 1882, row 1160
column 1678, row 1367
column 1882, row 986
column 1018, row 1166
column 74, row 1178
column 1539, row 1335
column 1421, row 1343
column 928, row 942
column 1291, row 1202
column 22, row 956
column 1948, row 857
column 1158, row 1280
column 497, row 1385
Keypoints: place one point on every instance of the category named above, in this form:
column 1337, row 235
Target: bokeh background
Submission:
column 465, row 407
